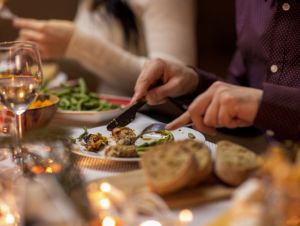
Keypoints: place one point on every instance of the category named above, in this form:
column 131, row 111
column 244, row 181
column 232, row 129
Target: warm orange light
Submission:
column 37, row 169
column 109, row 221
column 186, row 216
column 105, row 187
column 150, row 223
column 9, row 219
column 105, row 203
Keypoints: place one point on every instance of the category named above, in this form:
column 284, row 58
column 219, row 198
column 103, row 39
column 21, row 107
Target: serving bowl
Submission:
column 40, row 116
column 93, row 118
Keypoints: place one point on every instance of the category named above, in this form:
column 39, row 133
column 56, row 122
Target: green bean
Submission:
column 78, row 98
column 82, row 86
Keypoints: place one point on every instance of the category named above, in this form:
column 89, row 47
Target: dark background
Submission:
column 216, row 34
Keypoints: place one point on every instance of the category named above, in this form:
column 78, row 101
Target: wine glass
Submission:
column 20, row 79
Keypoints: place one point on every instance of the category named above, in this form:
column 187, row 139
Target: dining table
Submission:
column 94, row 169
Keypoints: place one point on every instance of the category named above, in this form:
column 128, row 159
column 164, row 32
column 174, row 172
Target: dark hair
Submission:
column 122, row 12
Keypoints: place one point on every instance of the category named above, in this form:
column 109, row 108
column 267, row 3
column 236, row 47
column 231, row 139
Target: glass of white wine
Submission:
column 20, row 80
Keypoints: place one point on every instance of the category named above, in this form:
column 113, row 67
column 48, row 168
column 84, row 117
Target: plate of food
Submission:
column 78, row 104
column 126, row 143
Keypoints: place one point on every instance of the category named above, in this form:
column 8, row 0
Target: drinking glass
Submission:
column 20, row 80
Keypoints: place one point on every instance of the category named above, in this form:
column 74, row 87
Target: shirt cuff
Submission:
column 279, row 111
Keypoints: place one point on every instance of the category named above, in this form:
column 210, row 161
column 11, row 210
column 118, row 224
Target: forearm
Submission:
column 112, row 64
column 280, row 111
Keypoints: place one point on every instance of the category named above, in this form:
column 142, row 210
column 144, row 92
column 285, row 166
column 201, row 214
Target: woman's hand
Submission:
column 222, row 105
column 52, row 36
column 177, row 80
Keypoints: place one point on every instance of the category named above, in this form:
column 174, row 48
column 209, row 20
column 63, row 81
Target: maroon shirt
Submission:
column 268, row 57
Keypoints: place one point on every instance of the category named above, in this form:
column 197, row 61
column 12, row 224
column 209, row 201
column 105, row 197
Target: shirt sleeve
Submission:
column 169, row 34
column 280, row 111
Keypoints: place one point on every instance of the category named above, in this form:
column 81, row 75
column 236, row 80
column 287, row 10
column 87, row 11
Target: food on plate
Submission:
column 95, row 142
column 92, row 142
column 124, row 136
column 273, row 197
column 234, row 163
column 79, row 98
column 121, row 151
column 153, row 138
column 248, row 204
column 172, row 166
column 40, row 104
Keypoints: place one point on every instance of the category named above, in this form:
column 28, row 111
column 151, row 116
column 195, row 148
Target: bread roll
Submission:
column 172, row 166
column 234, row 163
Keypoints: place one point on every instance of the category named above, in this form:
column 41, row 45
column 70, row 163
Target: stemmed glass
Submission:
column 20, row 79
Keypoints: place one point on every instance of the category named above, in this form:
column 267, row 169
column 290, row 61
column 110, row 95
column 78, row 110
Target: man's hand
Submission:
column 52, row 36
column 177, row 80
column 222, row 105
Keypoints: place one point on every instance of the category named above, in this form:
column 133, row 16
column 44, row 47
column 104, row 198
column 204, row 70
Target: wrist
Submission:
column 195, row 79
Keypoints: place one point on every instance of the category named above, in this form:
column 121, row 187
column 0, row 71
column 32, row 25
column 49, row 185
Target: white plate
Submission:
column 94, row 117
column 138, row 125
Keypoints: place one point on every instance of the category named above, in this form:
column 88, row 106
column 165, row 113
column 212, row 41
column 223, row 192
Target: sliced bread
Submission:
column 173, row 166
column 234, row 163
column 203, row 158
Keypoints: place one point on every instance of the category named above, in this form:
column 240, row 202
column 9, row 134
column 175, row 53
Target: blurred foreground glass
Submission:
column 20, row 80
column 12, row 194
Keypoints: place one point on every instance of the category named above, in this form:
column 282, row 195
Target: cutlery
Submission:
column 127, row 116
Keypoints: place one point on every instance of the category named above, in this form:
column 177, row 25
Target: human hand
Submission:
column 177, row 80
column 222, row 105
column 51, row 36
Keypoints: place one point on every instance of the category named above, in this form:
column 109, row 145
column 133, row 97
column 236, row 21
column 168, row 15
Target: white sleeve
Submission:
column 169, row 34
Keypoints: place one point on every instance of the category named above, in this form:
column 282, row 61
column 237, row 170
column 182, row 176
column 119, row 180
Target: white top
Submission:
column 167, row 31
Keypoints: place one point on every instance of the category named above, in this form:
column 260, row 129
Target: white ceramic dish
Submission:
column 137, row 125
column 94, row 117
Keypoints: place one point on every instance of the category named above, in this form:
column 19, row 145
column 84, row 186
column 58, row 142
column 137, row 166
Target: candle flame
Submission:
column 105, row 187
column 186, row 216
column 49, row 170
column 105, row 203
column 109, row 221
column 151, row 223
column 9, row 219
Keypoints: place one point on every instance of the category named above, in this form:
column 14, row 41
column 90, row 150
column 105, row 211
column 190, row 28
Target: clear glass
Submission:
column 20, row 79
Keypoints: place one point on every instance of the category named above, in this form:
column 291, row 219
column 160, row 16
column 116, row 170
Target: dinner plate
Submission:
column 138, row 125
column 94, row 117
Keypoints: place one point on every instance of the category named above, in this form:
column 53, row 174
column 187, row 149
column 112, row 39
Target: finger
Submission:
column 211, row 114
column 225, row 118
column 180, row 121
column 199, row 125
column 31, row 24
column 151, row 73
column 198, row 109
column 157, row 95
column 32, row 35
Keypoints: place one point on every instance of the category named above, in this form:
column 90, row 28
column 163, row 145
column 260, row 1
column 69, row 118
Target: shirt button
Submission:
column 286, row 6
column 274, row 68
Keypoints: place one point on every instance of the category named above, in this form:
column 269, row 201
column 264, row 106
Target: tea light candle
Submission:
column 109, row 221
column 151, row 223
column 112, row 191
column 185, row 216
column 7, row 218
